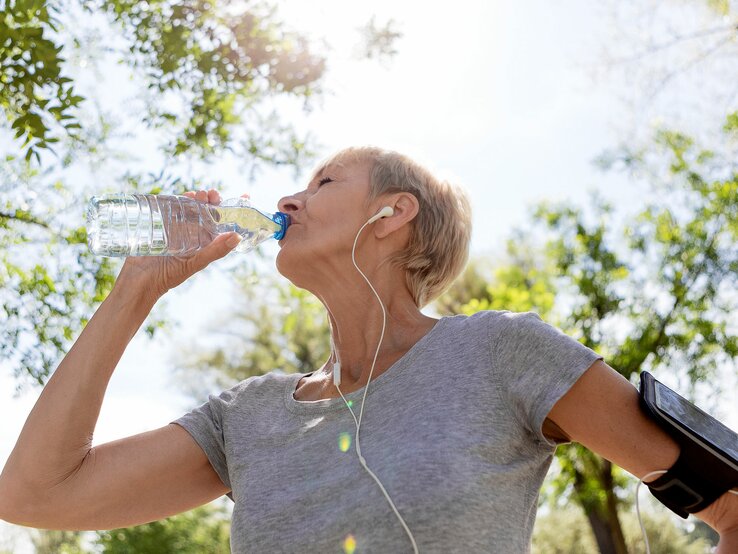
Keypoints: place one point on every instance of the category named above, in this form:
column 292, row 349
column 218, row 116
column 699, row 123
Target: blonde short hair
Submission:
column 438, row 247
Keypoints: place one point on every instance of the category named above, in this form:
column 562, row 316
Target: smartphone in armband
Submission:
column 708, row 461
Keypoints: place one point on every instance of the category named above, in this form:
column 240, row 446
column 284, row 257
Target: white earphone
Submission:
column 386, row 211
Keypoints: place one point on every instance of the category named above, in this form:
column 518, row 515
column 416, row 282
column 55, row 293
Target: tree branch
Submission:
column 664, row 322
column 702, row 56
column 25, row 218
column 676, row 40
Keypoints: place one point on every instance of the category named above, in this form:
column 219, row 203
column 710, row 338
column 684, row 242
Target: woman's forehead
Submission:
column 340, row 162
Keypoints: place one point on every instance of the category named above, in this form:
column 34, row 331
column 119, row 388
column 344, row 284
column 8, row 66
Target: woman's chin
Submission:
column 287, row 263
column 279, row 263
column 297, row 266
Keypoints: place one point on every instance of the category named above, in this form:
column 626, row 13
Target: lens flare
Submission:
column 349, row 545
column 344, row 442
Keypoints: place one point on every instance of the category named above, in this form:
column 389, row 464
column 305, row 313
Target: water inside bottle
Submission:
column 253, row 226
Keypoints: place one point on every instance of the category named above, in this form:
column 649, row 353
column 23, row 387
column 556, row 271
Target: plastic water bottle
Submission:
column 164, row 225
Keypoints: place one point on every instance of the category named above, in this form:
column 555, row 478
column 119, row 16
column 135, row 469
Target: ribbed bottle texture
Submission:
column 164, row 225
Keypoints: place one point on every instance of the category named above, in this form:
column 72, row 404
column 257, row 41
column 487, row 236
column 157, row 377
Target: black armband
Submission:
column 707, row 466
column 691, row 484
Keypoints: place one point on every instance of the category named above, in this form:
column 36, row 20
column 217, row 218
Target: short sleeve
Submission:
column 205, row 423
column 536, row 365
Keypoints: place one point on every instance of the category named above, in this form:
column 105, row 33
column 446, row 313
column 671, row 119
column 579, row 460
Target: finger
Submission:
column 221, row 245
column 245, row 195
column 213, row 196
column 201, row 196
column 189, row 194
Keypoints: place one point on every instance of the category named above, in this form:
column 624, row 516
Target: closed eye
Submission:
column 324, row 180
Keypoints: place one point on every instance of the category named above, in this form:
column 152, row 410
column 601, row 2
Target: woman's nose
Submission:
column 289, row 204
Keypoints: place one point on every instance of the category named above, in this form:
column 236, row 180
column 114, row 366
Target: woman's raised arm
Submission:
column 53, row 471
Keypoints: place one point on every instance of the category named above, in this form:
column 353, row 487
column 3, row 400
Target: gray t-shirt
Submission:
column 452, row 430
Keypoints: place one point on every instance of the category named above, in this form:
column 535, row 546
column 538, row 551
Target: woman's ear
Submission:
column 405, row 207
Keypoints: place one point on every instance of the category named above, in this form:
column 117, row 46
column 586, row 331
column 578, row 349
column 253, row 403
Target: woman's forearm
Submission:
column 728, row 543
column 58, row 432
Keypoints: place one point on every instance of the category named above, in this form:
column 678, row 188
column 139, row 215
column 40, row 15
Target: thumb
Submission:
column 219, row 247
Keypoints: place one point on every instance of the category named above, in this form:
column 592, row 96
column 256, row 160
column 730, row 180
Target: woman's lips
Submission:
column 287, row 232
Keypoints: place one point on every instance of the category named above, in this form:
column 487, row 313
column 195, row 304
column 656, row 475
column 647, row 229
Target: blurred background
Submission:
column 597, row 142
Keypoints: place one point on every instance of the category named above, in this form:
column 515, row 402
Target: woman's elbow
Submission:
column 21, row 507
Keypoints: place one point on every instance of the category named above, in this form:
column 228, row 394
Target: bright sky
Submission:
column 490, row 93
column 493, row 93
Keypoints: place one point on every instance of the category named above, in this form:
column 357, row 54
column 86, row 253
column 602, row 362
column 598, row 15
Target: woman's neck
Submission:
column 356, row 330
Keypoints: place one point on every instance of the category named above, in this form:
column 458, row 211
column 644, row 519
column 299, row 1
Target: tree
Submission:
column 220, row 64
column 204, row 529
column 564, row 531
column 379, row 41
column 668, row 61
column 658, row 294
column 207, row 74
column 57, row 542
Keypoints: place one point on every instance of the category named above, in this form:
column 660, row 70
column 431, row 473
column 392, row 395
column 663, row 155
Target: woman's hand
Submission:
column 158, row 274
column 722, row 515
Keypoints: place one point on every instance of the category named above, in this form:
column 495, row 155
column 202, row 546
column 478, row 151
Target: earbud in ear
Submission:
column 384, row 212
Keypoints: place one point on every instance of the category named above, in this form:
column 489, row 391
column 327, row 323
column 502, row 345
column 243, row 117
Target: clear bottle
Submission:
column 164, row 225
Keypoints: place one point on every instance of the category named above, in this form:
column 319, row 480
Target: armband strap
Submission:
column 684, row 488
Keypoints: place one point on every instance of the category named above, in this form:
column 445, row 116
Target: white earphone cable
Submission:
column 638, row 508
column 366, row 389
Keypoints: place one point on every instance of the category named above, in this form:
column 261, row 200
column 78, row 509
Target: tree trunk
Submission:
column 616, row 529
column 602, row 514
column 602, row 533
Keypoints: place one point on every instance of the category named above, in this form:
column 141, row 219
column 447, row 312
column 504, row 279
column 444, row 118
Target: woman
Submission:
column 436, row 439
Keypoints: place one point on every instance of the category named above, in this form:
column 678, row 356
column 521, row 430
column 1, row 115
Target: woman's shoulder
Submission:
column 255, row 385
column 492, row 320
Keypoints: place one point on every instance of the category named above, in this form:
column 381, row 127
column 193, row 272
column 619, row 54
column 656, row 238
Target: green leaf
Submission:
column 731, row 123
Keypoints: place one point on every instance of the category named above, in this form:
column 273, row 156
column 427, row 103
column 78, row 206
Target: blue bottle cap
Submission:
column 283, row 220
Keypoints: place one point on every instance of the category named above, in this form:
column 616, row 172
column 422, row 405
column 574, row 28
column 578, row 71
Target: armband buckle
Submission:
column 683, row 488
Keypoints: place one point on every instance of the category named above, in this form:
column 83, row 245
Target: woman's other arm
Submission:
column 602, row 412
